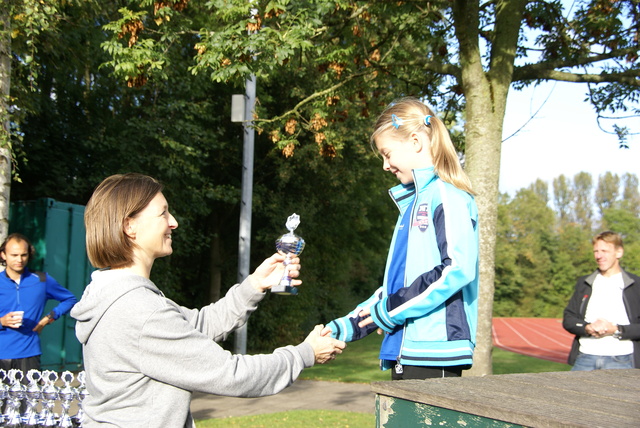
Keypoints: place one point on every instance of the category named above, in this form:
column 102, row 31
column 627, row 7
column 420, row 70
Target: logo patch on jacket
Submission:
column 422, row 217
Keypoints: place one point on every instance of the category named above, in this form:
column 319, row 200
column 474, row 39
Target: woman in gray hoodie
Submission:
column 144, row 355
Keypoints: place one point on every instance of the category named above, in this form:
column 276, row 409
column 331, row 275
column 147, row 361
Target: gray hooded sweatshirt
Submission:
column 144, row 355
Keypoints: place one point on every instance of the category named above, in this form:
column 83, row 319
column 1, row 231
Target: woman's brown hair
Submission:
column 117, row 198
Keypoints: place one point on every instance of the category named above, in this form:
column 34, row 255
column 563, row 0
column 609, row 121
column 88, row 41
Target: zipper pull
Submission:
column 398, row 367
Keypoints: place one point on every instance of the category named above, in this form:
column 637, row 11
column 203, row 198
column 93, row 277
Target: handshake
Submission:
column 325, row 348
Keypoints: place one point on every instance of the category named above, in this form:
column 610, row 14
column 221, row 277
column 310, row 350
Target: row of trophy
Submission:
column 31, row 405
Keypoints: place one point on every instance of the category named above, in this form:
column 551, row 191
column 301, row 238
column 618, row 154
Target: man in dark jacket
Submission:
column 604, row 312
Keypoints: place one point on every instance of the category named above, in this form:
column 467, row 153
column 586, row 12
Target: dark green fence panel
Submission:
column 56, row 230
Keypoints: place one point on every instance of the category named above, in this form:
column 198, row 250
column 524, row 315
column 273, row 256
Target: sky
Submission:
column 562, row 138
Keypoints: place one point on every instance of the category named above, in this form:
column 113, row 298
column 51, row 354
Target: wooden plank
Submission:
column 398, row 413
column 602, row 398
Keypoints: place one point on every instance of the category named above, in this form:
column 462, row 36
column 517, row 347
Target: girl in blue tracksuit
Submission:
column 428, row 302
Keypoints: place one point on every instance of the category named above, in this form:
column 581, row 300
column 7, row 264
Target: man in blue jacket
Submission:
column 23, row 295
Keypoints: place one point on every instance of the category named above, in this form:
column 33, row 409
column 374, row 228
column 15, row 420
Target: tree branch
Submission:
column 296, row 109
column 433, row 66
column 631, row 78
column 533, row 71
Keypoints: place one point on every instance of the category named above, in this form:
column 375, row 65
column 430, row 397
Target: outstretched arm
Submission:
column 221, row 318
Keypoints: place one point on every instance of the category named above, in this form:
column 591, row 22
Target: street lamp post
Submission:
column 244, row 237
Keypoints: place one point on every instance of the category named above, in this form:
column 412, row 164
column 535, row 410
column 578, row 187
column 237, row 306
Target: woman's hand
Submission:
column 271, row 270
column 324, row 348
column 326, row 331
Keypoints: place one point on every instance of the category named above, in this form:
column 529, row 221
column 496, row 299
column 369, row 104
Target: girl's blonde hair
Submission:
column 117, row 198
column 410, row 115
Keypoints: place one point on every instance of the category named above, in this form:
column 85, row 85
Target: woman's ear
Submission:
column 130, row 227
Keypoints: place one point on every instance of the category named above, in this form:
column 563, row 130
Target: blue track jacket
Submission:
column 29, row 296
column 438, row 306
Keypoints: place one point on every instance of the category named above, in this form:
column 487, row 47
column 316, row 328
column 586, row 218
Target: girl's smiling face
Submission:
column 402, row 157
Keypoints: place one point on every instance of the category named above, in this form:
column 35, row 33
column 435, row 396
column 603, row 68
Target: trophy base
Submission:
column 285, row 290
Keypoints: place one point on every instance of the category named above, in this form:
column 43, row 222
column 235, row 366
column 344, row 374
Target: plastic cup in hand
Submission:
column 16, row 318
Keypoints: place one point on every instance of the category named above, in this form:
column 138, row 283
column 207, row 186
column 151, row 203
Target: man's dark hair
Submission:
column 20, row 238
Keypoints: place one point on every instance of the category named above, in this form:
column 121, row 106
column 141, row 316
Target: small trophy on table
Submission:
column 289, row 245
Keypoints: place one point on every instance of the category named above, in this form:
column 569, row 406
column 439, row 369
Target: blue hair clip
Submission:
column 427, row 120
column 396, row 121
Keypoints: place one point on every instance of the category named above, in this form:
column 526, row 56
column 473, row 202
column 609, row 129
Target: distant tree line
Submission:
column 544, row 239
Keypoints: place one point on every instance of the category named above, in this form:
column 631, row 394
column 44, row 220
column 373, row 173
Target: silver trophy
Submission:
column 49, row 397
column 4, row 388
column 16, row 394
column 290, row 245
column 66, row 395
column 81, row 395
column 33, row 394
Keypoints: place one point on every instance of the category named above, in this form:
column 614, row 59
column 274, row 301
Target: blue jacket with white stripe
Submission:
column 438, row 306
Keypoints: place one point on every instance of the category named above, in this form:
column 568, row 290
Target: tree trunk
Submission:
column 486, row 101
column 483, row 143
column 5, row 137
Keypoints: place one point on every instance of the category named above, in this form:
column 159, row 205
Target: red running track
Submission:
column 536, row 337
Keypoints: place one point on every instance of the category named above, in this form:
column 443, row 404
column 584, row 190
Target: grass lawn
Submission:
column 297, row 418
column 505, row 362
column 359, row 364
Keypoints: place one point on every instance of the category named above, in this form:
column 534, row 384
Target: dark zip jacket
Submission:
column 574, row 322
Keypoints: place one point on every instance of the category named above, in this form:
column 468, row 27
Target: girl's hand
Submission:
column 366, row 314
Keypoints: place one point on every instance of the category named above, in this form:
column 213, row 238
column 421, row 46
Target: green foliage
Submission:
column 31, row 23
column 530, row 234
column 608, row 191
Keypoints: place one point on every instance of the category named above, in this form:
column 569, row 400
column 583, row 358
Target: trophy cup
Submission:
column 290, row 245
column 66, row 394
column 49, row 397
column 32, row 394
column 3, row 394
column 16, row 394
column 81, row 394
